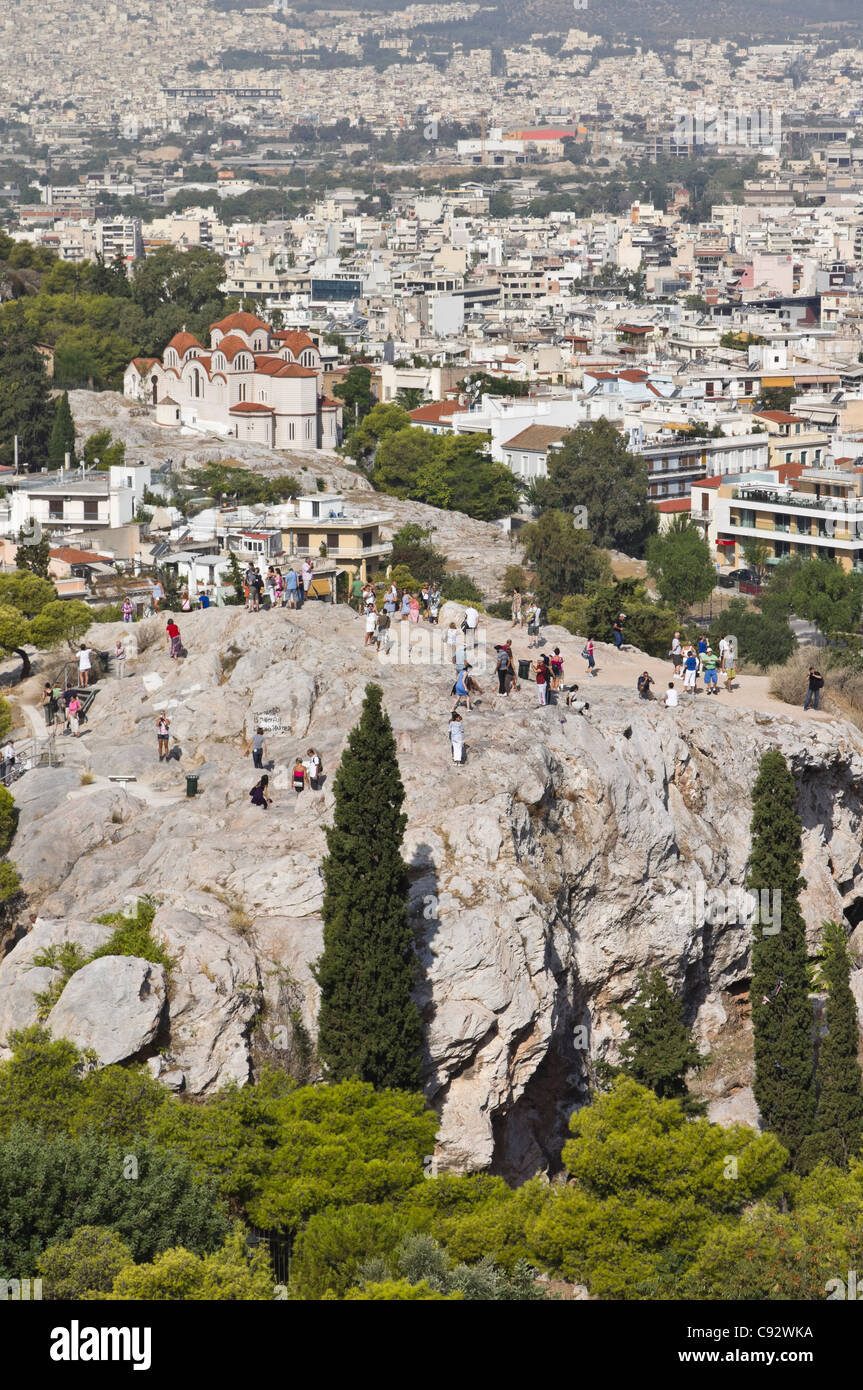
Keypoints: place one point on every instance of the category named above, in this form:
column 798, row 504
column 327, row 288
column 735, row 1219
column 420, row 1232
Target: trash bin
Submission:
column 523, row 669
column 191, row 784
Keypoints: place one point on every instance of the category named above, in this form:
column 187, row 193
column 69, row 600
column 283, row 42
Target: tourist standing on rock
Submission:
column 671, row 700
column 260, row 795
column 173, row 634
column 556, row 664
column 158, row 595
column 128, row 610
column 424, row 600
column 540, row 671
column 299, row 775
column 75, row 707
column 308, row 569
column 452, row 639
column 724, row 652
column 456, row 737
column 371, row 627
column 185, row 602
column 471, row 618
column 314, row 768
column 465, row 686
column 405, row 605
column 534, row 625
column 49, row 704
column 291, row 587
column 813, row 694
column 163, row 728
column 690, row 670
column 709, row 663
column 382, row 632
column 8, row 757
column 85, row 655
column 120, row 658
column 617, row 630
column 730, row 671
column 414, row 609
column 516, row 608
column 434, row 603
column 259, row 748
column 676, row 653
column 587, row 653
column 357, row 592
column 503, row 663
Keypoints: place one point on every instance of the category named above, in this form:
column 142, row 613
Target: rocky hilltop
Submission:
column 569, row 852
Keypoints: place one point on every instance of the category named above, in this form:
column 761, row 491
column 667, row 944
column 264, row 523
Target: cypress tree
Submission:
column 26, row 407
column 839, row 1110
column 659, row 1048
column 369, row 1026
column 62, row 440
column 781, row 1011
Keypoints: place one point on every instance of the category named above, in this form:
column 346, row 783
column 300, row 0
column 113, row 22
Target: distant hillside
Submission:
column 661, row 20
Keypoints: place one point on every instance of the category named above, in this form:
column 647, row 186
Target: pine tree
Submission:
column 369, row 1025
column 62, row 440
column 839, row 1110
column 26, row 408
column 658, row 1049
column 33, row 553
column 781, row 1010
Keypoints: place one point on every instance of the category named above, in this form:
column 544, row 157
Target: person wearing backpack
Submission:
column 314, row 767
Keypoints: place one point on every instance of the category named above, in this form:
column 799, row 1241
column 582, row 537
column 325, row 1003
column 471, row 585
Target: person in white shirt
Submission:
column 471, row 617
column 84, row 664
column 307, row 576
column 456, row 738
column 312, row 764
column 371, row 626
column 8, row 759
column 671, row 700
column 724, row 648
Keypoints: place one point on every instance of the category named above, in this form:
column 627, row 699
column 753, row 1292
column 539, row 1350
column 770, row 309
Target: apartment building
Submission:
column 674, row 468
column 321, row 528
column 810, row 512
column 77, row 500
column 791, row 438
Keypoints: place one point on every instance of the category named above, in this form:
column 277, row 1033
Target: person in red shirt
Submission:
column 540, row 670
column 173, row 634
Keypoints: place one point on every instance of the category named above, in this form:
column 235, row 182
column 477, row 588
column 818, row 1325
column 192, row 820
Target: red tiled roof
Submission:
column 181, row 342
column 246, row 323
column 436, row 411
column 779, row 417
column 144, row 362
column 675, row 504
column 250, row 408
column 76, row 557
column 230, row 345
column 296, row 340
column 632, row 374
column 277, row 366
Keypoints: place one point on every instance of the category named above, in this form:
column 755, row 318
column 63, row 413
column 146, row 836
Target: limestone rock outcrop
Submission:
column 567, row 854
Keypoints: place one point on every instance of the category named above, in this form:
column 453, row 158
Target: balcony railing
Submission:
column 798, row 499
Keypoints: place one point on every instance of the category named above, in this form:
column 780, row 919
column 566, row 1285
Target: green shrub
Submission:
column 8, row 816
column 88, row 1262
column 460, row 588
column 330, row 1248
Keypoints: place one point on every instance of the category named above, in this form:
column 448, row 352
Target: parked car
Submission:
column 726, row 581
column 744, row 576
